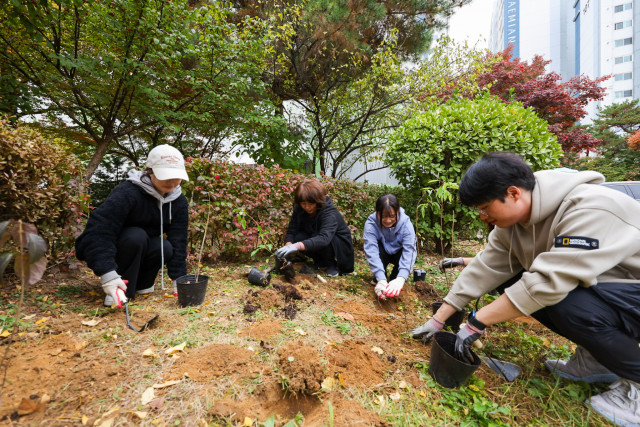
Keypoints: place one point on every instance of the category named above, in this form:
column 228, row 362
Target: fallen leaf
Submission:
column 107, row 423
column 346, row 316
column 377, row 350
column 403, row 384
column 93, row 322
column 41, row 321
column 422, row 393
column 5, row 333
column 45, row 398
column 140, row 414
column 381, row 401
column 300, row 331
column 248, row 422
column 395, row 396
column 177, row 348
column 157, row 403
column 85, row 420
column 79, row 346
column 158, row 422
column 167, row 384
column 328, row 384
column 341, row 380
column 149, row 353
column 147, row 396
column 29, row 317
column 28, row 406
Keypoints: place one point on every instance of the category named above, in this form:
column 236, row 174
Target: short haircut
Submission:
column 490, row 177
column 387, row 202
column 312, row 191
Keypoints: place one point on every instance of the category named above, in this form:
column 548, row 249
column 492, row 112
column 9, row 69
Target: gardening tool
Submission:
column 145, row 326
column 507, row 370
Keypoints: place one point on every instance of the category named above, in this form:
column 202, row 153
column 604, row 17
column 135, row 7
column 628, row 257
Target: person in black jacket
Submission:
column 319, row 230
column 123, row 241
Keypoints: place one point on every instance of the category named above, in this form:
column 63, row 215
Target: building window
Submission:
column 624, row 76
column 624, row 42
column 624, row 93
column 625, row 6
column 623, row 24
column 622, row 59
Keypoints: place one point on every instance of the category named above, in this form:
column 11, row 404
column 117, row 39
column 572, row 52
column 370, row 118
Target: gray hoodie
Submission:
column 579, row 234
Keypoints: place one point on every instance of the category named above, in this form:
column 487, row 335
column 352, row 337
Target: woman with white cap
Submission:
column 123, row 241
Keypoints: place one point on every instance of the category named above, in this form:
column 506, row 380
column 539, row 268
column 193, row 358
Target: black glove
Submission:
column 467, row 335
column 450, row 262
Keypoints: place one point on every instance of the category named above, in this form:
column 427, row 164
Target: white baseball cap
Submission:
column 167, row 163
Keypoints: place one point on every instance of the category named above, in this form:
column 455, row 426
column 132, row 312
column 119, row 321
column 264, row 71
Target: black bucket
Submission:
column 419, row 275
column 454, row 320
column 190, row 290
column 444, row 367
column 258, row 278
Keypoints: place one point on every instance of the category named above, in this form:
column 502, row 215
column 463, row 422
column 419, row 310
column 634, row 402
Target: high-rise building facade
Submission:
column 591, row 37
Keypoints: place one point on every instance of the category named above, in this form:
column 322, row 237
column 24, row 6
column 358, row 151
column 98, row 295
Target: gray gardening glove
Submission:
column 287, row 250
column 427, row 330
column 464, row 339
column 450, row 263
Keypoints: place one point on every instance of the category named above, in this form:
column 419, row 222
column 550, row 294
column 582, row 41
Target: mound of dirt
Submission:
column 426, row 291
column 205, row 364
column 356, row 362
column 262, row 331
column 301, row 365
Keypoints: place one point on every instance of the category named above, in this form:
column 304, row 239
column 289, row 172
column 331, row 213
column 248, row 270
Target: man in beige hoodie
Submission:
column 577, row 245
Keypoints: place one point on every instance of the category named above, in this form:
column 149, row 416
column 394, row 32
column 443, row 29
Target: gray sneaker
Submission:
column 582, row 366
column 621, row 404
column 145, row 291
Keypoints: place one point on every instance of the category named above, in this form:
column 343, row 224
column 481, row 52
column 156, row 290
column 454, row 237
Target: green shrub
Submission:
column 39, row 183
column 249, row 206
column 436, row 146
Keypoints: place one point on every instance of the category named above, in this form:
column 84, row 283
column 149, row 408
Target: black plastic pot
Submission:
column 454, row 321
column 419, row 275
column 258, row 278
column 444, row 367
column 190, row 290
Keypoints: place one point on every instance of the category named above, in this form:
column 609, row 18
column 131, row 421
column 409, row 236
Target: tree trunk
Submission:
column 101, row 150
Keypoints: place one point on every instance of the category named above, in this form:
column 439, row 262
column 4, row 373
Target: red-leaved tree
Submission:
column 561, row 104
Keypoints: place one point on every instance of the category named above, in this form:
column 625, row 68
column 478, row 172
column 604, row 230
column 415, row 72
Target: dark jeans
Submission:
column 387, row 259
column 588, row 318
column 322, row 258
column 138, row 258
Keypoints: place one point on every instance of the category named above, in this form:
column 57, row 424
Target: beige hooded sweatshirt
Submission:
column 579, row 234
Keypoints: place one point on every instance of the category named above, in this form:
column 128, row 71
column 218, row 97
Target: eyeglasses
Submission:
column 483, row 211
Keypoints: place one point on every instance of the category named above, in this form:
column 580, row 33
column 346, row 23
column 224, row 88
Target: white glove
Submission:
column 175, row 289
column 381, row 287
column 395, row 286
column 426, row 331
column 115, row 288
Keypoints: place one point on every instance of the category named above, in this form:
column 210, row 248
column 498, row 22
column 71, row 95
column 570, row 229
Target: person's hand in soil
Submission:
column 450, row 263
column 380, row 288
column 465, row 338
column 287, row 250
column 428, row 330
column 112, row 287
column 395, row 286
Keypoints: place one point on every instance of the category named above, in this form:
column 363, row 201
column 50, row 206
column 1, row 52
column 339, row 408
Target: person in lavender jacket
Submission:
column 389, row 238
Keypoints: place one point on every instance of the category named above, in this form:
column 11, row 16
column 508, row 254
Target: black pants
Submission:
column 322, row 258
column 139, row 259
column 593, row 320
column 387, row 259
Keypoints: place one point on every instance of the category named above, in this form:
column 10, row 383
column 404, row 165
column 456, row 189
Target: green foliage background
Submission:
column 437, row 145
